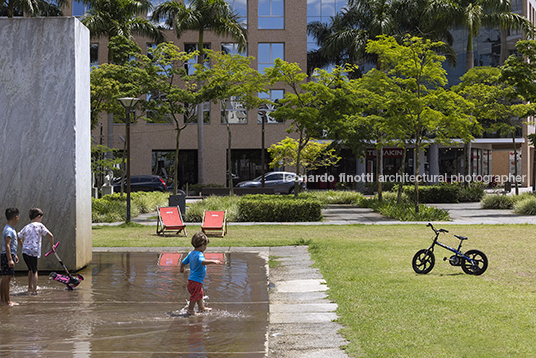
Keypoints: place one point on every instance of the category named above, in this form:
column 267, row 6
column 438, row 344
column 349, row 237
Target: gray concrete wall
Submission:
column 45, row 155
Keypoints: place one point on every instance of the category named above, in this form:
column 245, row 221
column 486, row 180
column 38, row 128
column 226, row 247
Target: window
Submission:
column 271, row 14
column 231, row 48
column 150, row 48
column 94, row 55
column 241, row 8
column 268, row 52
column 263, row 112
column 190, row 64
column 80, row 9
column 232, row 111
column 193, row 117
column 153, row 115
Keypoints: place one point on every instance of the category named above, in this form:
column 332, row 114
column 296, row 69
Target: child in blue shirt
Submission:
column 198, row 270
column 8, row 256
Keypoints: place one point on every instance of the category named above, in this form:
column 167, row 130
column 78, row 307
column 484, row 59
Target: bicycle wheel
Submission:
column 479, row 265
column 423, row 261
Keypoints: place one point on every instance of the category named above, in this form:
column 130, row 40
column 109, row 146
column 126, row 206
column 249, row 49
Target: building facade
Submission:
column 278, row 29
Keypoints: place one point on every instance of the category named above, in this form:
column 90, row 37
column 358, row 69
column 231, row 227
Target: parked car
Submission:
column 141, row 183
column 282, row 182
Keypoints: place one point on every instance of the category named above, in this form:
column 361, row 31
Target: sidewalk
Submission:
column 460, row 214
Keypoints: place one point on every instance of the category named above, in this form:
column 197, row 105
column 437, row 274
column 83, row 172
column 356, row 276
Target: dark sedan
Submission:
column 141, row 183
column 282, row 182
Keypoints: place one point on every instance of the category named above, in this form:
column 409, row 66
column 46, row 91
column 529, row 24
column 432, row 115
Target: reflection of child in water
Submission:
column 198, row 270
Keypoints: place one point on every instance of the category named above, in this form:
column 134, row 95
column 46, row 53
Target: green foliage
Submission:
column 315, row 154
column 113, row 208
column 335, row 196
column 279, row 208
column 497, row 202
column 472, row 193
column 406, row 210
column 444, row 193
column 525, row 206
column 230, row 203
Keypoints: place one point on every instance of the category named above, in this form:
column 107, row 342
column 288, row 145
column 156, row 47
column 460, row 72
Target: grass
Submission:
column 386, row 309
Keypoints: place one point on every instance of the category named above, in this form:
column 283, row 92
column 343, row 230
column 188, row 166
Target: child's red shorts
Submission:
column 196, row 290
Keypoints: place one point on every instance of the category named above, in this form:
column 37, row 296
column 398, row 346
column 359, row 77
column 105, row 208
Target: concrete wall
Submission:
column 45, row 159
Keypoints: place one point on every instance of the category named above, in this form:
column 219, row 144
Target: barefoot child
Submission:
column 9, row 255
column 198, row 269
column 31, row 245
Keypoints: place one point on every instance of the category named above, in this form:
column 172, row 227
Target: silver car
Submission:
column 282, row 182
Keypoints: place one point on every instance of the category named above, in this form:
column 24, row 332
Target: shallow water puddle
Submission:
column 134, row 304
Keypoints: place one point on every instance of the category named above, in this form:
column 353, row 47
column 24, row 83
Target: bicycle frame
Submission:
column 457, row 251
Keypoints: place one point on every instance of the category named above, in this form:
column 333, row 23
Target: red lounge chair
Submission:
column 169, row 219
column 215, row 222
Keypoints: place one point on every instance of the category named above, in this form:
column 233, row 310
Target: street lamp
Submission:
column 129, row 103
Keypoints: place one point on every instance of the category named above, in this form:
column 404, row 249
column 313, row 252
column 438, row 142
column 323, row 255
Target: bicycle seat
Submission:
column 461, row 237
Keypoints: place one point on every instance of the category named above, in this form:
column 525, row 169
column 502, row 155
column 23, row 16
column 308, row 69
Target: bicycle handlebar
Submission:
column 53, row 249
column 437, row 231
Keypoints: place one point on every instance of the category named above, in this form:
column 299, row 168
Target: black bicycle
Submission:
column 473, row 262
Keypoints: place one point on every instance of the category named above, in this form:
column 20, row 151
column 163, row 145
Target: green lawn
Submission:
column 388, row 310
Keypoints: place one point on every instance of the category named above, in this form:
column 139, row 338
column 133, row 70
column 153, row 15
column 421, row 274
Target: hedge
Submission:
column 279, row 208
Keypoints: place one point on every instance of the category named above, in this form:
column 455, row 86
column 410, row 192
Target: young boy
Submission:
column 30, row 236
column 198, row 269
column 8, row 255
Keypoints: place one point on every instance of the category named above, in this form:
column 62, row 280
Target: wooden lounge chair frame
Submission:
column 161, row 227
column 210, row 228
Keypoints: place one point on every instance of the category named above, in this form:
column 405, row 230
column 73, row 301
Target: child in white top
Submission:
column 31, row 236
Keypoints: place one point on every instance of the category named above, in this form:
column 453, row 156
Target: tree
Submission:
column 202, row 15
column 123, row 18
column 32, row 7
column 231, row 80
column 316, row 154
column 109, row 82
column 306, row 105
column 432, row 113
column 498, row 106
column 344, row 40
column 519, row 71
column 472, row 15
column 172, row 92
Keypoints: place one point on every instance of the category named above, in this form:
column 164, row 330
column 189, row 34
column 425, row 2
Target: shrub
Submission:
column 525, row 206
column 406, row 211
column 334, row 196
column 444, row 193
column 195, row 211
column 497, row 202
column 473, row 193
column 279, row 208
column 113, row 208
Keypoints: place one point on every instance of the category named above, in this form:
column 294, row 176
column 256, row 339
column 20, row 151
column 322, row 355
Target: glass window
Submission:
column 267, row 53
column 191, row 119
column 94, row 55
column 271, row 14
column 231, row 48
column 154, row 116
column 190, row 64
column 263, row 112
column 241, row 8
column 80, row 9
column 233, row 112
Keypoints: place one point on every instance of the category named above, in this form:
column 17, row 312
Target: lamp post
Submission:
column 129, row 103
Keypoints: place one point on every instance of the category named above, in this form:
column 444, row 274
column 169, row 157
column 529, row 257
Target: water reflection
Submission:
column 129, row 305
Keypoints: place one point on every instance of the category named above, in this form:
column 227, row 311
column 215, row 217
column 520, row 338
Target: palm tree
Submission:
column 346, row 37
column 202, row 15
column 32, row 7
column 111, row 18
column 472, row 15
